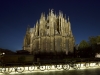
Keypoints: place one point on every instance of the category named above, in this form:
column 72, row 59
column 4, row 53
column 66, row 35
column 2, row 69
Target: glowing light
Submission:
column 92, row 64
column 97, row 55
column 46, row 68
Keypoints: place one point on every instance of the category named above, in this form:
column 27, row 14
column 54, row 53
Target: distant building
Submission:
column 22, row 52
column 52, row 33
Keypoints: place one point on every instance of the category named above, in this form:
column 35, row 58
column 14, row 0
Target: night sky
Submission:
column 16, row 15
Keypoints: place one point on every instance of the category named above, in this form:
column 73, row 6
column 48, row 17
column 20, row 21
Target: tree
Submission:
column 83, row 45
column 84, row 49
column 97, row 39
column 92, row 40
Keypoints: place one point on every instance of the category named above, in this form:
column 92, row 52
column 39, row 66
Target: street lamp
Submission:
column 1, row 54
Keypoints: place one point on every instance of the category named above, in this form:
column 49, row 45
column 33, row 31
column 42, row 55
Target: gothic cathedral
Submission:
column 52, row 33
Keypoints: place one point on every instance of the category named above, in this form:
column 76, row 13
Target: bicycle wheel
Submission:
column 20, row 69
column 66, row 66
column 42, row 67
column 7, row 69
column 59, row 66
column 3, row 70
column 76, row 66
column 31, row 68
column 10, row 69
column 48, row 67
column 87, row 65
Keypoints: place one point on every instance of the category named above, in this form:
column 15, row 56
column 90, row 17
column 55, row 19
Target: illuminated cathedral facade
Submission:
column 52, row 33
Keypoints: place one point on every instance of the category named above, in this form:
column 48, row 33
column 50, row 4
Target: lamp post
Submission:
column 1, row 55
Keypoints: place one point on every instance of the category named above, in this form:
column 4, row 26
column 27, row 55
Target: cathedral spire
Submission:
column 51, row 13
column 65, row 16
column 47, row 17
column 68, row 18
column 55, row 14
column 37, row 22
column 28, row 27
column 65, row 19
column 34, row 29
column 59, row 13
column 42, row 15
